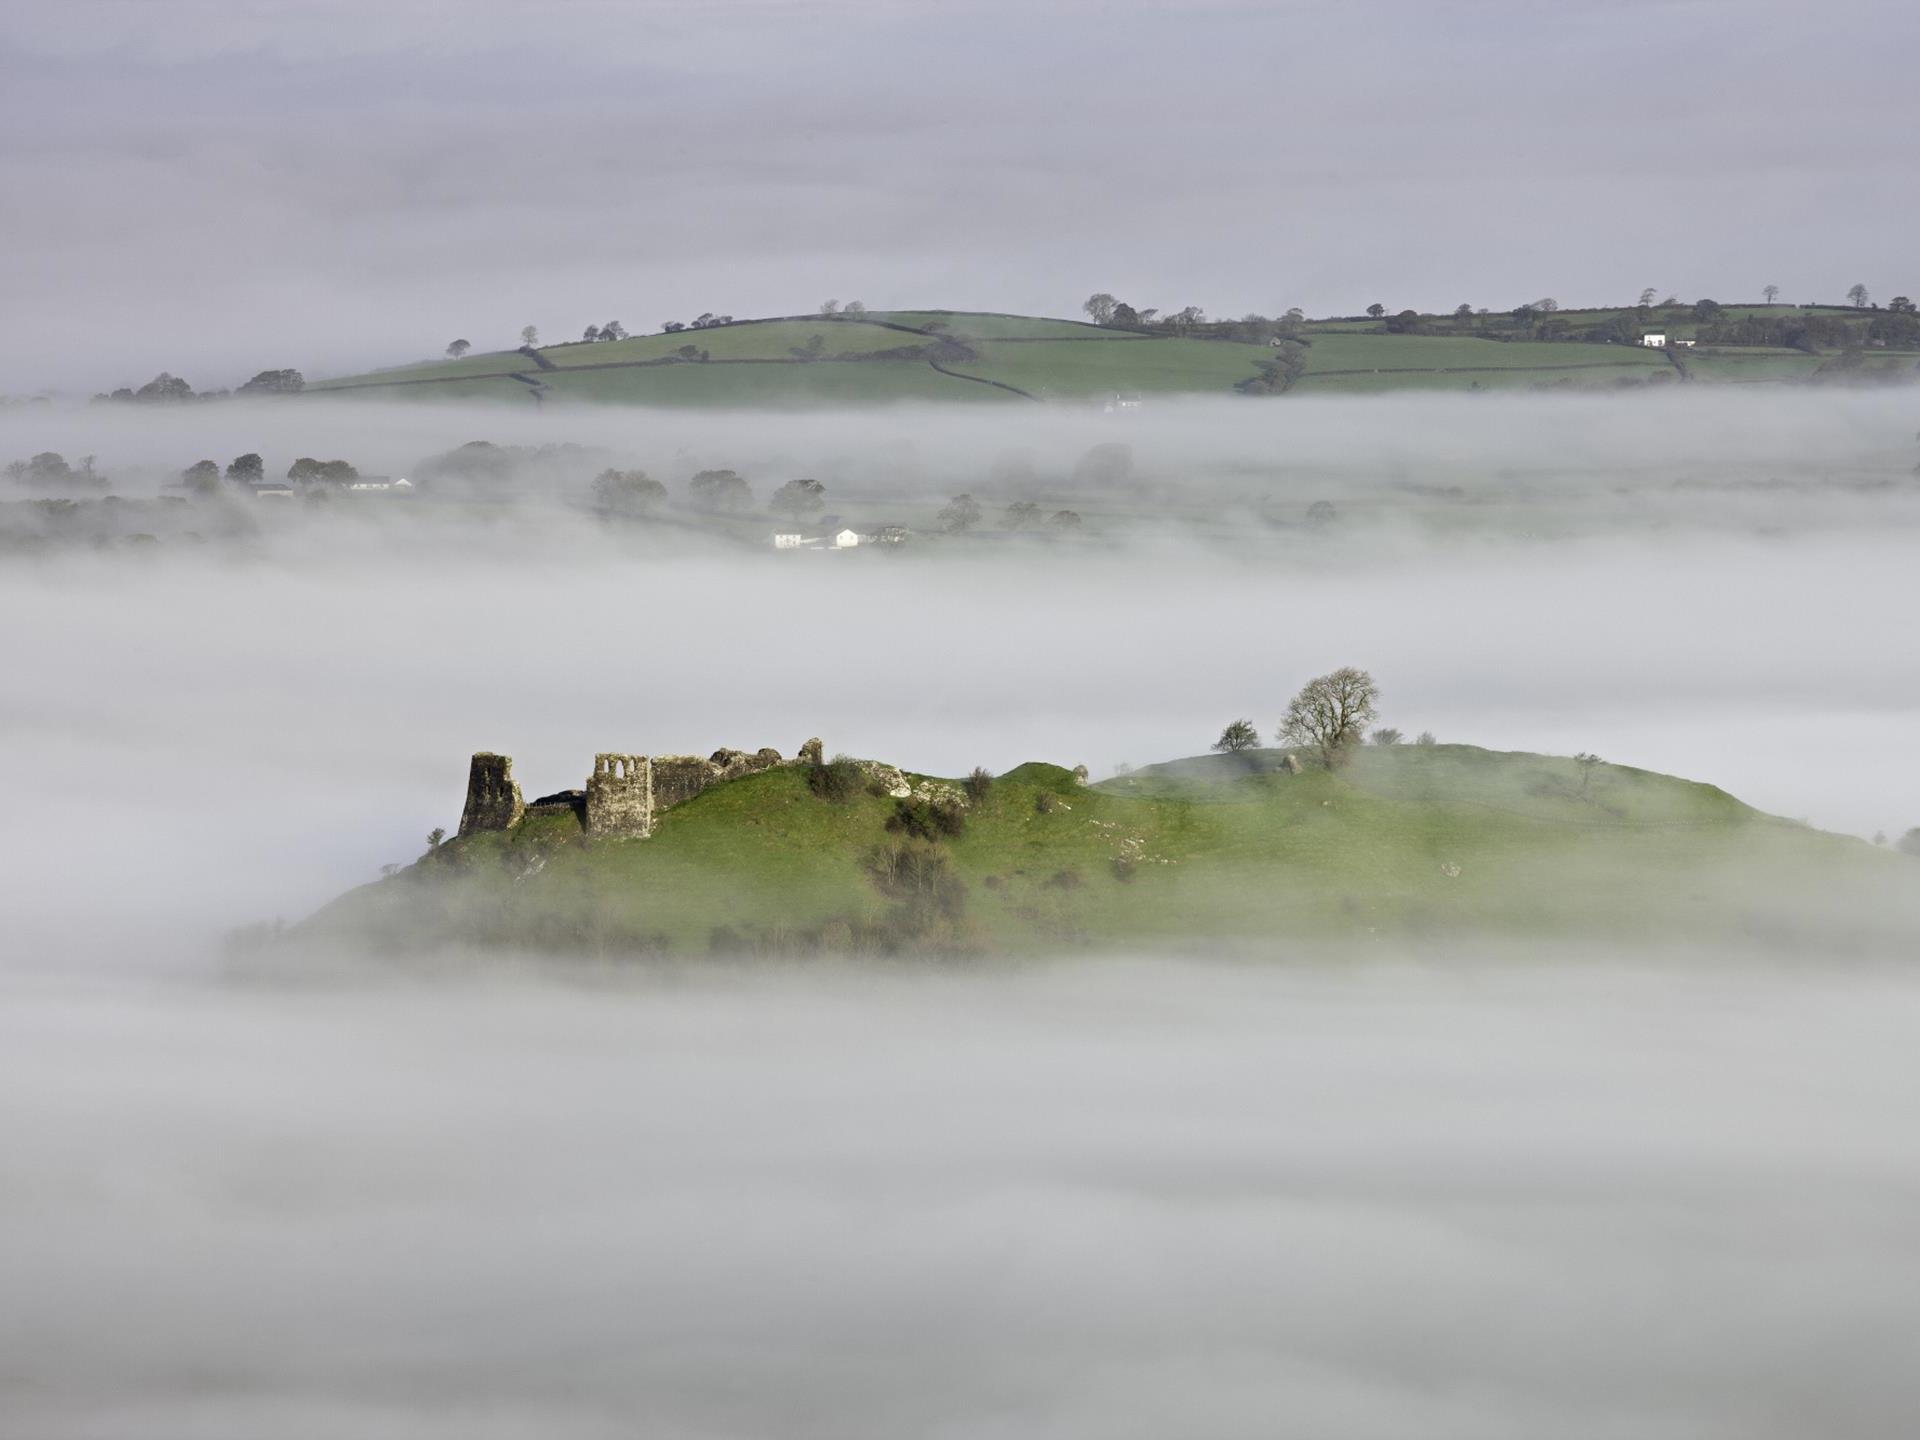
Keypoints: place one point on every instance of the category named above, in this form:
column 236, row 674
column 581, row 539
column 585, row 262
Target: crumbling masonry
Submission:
column 624, row 795
column 493, row 799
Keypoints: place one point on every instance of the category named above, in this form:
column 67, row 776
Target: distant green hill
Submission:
column 1405, row 842
column 981, row 358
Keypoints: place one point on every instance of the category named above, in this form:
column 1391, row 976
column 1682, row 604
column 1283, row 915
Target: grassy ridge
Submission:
column 761, row 362
column 754, row 362
column 1403, row 842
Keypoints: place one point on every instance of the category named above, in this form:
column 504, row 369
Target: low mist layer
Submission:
column 212, row 733
column 1117, row 1200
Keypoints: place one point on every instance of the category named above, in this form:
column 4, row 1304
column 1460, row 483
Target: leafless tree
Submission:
column 1772, row 293
column 1331, row 713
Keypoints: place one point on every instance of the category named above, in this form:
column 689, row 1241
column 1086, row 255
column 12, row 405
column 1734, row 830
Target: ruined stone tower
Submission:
column 620, row 797
column 493, row 797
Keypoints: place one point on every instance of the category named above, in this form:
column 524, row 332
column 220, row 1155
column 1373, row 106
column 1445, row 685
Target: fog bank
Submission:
column 202, row 735
column 1112, row 1200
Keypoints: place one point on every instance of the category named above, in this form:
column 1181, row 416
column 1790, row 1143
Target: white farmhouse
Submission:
column 1654, row 340
column 788, row 540
column 845, row 539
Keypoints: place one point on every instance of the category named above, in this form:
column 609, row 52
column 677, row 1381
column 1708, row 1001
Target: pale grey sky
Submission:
column 213, row 188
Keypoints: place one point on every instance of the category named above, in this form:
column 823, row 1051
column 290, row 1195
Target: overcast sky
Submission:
column 217, row 186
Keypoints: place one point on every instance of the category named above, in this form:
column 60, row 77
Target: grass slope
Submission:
column 753, row 362
column 1405, row 842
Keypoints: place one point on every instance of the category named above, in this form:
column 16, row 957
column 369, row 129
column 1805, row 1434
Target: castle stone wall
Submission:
column 620, row 797
column 678, row 778
column 623, row 795
column 493, row 797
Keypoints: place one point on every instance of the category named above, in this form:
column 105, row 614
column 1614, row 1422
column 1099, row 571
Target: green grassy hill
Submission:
column 997, row 359
column 1408, row 842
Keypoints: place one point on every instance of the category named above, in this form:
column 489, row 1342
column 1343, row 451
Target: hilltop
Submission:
column 988, row 358
column 1401, row 843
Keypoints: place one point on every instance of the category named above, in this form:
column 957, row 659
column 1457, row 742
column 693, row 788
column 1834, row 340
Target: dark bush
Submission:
column 978, row 784
column 837, row 780
column 927, row 819
column 1046, row 802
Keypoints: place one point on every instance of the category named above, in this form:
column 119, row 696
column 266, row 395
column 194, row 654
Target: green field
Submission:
column 1403, row 842
column 1737, row 367
column 1085, row 369
column 746, row 386
column 972, row 325
column 958, row 355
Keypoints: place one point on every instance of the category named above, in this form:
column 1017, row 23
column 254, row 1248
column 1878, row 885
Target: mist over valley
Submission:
column 1269, row 790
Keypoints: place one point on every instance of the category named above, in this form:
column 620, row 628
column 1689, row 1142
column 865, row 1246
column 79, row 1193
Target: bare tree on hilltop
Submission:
column 1331, row 713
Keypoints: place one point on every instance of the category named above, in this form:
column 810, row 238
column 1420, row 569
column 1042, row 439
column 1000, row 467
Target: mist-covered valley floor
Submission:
column 1470, row 1196
column 1472, row 1191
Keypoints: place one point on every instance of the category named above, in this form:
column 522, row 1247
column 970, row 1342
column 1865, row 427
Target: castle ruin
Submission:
column 493, row 798
column 624, row 795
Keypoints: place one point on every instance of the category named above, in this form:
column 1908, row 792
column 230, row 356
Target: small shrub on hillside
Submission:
column 1385, row 735
column 837, row 780
column 1046, row 802
column 920, row 877
column 1425, row 737
column 1240, row 735
column 978, row 784
column 927, row 819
